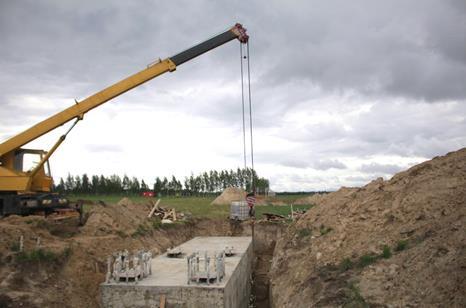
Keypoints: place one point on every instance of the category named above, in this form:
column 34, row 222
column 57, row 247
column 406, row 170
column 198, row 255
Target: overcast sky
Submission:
column 343, row 91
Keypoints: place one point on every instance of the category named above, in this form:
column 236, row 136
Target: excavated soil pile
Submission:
column 229, row 195
column 125, row 216
column 69, row 263
column 396, row 243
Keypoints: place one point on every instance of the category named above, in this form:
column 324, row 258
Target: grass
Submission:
column 304, row 232
column 354, row 298
column 401, row 245
column 36, row 255
column 367, row 259
column 14, row 247
column 324, row 230
column 346, row 265
column 289, row 199
column 42, row 255
column 141, row 230
column 198, row 207
column 386, row 252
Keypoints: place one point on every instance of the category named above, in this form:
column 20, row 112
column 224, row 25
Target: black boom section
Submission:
column 203, row 47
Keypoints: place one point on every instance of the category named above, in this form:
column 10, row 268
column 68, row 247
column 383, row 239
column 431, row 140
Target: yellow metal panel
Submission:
column 17, row 183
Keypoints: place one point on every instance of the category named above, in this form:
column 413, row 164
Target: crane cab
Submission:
column 26, row 184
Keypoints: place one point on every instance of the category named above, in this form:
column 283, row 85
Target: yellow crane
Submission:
column 27, row 191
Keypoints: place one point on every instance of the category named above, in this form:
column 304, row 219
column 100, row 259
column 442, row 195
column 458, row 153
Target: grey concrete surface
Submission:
column 169, row 278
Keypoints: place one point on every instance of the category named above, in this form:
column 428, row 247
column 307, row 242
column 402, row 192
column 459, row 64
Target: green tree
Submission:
column 157, row 186
column 95, row 184
column 102, row 187
column 126, row 183
column 85, row 186
column 135, row 186
column 144, row 186
column 69, row 184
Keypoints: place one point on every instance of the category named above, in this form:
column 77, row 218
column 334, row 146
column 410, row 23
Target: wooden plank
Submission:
column 156, row 206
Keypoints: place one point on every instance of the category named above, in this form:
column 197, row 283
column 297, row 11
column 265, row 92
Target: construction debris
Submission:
column 297, row 214
column 174, row 252
column 273, row 217
column 229, row 251
column 166, row 215
column 154, row 208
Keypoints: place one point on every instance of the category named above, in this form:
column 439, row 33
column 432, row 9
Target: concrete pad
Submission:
column 169, row 277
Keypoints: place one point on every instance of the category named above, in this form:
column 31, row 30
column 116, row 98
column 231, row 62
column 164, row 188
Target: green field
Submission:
column 199, row 206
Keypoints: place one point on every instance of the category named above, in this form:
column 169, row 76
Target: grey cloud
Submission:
column 381, row 168
column 329, row 164
column 406, row 58
column 295, row 163
column 359, row 179
column 391, row 48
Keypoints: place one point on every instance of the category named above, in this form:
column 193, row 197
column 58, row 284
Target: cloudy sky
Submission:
column 343, row 91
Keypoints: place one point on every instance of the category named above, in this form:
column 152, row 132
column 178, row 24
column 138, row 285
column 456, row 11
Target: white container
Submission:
column 239, row 210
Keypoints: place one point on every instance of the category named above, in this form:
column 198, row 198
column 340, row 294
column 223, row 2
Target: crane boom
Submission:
column 22, row 191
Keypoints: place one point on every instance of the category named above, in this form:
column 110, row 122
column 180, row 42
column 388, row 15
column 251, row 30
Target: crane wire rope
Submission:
column 242, row 104
column 253, row 184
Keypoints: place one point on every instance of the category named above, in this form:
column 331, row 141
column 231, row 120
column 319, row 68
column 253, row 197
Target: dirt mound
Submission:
column 390, row 243
column 229, row 195
column 125, row 216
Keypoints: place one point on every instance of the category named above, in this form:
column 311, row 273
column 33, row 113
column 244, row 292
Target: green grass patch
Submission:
column 324, row 230
column 290, row 199
column 14, row 247
column 304, row 232
column 354, row 298
column 198, row 207
column 43, row 255
column 367, row 259
column 386, row 252
column 67, row 252
column 37, row 255
column 141, row 230
column 401, row 245
column 346, row 264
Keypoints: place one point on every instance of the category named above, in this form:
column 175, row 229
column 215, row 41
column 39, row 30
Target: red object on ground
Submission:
column 148, row 194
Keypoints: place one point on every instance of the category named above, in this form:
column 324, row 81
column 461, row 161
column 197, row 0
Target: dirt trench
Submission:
column 73, row 279
column 266, row 235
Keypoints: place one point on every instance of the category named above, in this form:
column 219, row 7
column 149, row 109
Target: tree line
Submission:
column 208, row 182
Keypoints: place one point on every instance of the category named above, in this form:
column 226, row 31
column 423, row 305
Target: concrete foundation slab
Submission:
column 169, row 279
